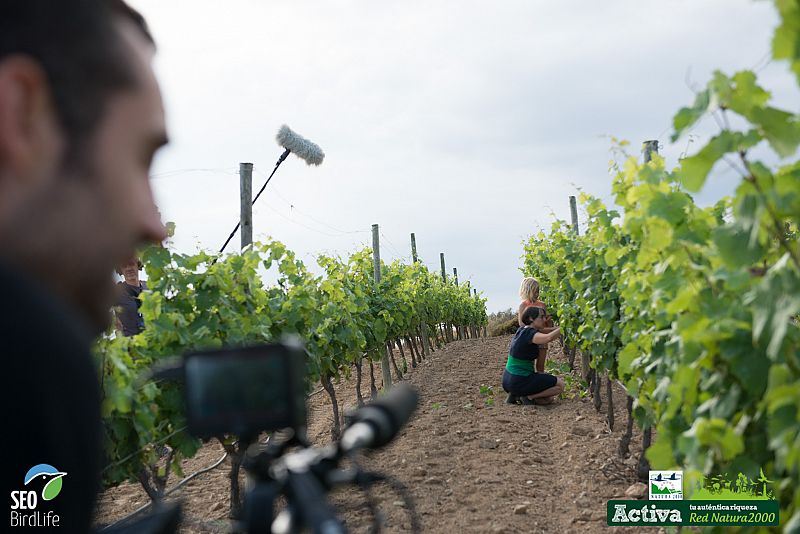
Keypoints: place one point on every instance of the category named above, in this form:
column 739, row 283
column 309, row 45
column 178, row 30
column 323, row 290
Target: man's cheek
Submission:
column 111, row 234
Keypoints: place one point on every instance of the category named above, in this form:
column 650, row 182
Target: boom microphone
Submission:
column 293, row 143
column 300, row 146
column 376, row 424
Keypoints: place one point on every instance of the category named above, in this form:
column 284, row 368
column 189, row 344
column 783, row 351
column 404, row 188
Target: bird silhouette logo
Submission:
column 48, row 477
column 666, row 485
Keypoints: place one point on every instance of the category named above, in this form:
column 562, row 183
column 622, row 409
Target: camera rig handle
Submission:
column 305, row 476
column 308, row 496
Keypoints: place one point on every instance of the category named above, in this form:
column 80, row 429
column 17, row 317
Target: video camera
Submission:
column 250, row 390
column 245, row 391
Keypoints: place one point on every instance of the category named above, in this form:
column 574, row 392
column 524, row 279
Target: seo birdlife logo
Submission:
column 41, row 480
column 666, row 485
column 49, row 476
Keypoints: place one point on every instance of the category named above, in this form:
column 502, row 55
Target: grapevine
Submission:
column 696, row 309
column 206, row 301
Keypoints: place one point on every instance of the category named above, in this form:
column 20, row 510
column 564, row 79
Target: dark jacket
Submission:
column 128, row 304
column 51, row 400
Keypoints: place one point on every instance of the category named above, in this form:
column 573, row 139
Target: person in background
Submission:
column 129, row 321
column 521, row 380
column 529, row 293
column 81, row 118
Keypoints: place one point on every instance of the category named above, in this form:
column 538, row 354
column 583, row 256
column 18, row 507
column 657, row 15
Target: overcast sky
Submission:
column 469, row 123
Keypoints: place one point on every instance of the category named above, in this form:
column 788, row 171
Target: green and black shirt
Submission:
column 522, row 353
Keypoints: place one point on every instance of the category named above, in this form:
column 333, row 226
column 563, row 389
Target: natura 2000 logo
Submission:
column 42, row 482
column 666, row 485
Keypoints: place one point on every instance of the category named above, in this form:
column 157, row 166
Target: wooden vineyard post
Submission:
column 573, row 209
column 484, row 327
column 376, row 260
column 477, row 329
column 610, row 402
column 458, row 327
column 414, row 248
column 246, row 203
column 465, row 328
column 649, row 148
column 445, row 334
column 469, row 328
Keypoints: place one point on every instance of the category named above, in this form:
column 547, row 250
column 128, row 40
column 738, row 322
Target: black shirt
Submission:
column 522, row 346
column 128, row 304
column 51, row 400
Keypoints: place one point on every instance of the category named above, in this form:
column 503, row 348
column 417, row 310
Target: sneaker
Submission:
column 536, row 402
column 512, row 399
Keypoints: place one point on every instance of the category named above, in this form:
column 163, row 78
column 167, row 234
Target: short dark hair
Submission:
column 530, row 314
column 81, row 52
column 139, row 265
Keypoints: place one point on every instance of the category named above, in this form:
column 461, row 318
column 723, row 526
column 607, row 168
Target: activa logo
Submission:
column 44, row 480
column 623, row 514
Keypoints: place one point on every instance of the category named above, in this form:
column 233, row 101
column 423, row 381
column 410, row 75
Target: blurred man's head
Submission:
column 129, row 270
column 80, row 120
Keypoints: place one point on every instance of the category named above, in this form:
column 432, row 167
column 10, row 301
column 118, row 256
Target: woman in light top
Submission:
column 529, row 293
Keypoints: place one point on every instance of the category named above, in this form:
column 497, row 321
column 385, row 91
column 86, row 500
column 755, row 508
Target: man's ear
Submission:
column 30, row 135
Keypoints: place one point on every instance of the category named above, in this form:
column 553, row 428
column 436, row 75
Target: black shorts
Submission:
column 527, row 385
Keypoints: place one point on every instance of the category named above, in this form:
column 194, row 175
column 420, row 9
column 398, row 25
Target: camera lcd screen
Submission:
column 245, row 391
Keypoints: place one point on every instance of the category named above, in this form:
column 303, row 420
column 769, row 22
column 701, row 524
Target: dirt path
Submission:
column 471, row 467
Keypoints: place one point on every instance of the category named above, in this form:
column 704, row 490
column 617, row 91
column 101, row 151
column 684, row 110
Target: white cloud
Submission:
column 466, row 122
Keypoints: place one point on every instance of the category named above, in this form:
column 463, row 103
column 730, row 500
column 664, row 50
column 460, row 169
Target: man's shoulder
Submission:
column 39, row 332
